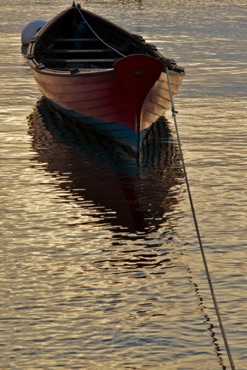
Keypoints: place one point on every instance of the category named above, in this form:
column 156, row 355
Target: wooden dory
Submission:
column 102, row 75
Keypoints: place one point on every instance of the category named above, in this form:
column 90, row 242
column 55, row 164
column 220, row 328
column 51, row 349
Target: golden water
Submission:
column 100, row 266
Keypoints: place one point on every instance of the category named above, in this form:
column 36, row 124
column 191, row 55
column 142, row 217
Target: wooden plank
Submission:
column 75, row 39
column 45, row 60
column 74, row 51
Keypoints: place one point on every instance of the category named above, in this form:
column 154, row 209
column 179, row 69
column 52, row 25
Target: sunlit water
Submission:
column 100, row 263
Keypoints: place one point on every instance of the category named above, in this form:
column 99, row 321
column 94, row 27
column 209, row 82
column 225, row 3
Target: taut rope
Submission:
column 105, row 43
column 174, row 113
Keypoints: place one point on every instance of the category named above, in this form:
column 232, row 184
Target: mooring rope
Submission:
column 174, row 113
column 95, row 33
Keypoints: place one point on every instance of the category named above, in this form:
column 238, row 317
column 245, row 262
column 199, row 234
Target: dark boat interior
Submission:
column 78, row 39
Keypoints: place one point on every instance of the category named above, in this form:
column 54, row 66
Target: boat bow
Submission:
column 138, row 73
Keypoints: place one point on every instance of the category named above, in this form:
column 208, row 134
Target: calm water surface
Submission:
column 100, row 266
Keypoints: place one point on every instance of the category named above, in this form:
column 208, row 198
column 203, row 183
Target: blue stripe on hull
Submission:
column 122, row 133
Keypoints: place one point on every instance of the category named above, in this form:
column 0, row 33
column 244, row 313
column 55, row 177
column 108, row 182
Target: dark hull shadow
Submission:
column 130, row 193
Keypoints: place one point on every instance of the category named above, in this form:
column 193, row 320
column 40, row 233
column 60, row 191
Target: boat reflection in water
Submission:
column 131, row 198
column 100, row 174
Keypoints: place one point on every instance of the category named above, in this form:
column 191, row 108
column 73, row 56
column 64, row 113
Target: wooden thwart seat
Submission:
column 80, row 60
column 74, row 51
column 75, row 39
